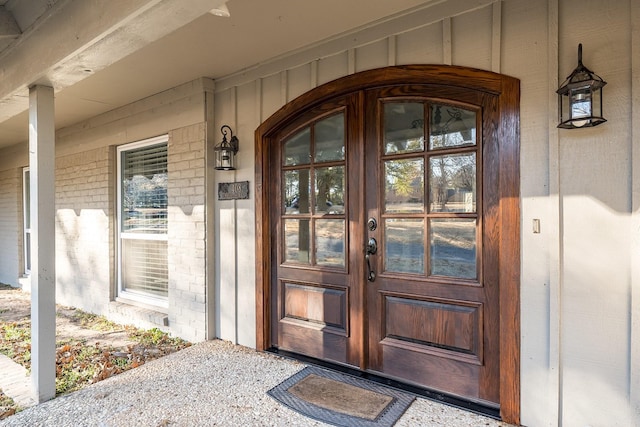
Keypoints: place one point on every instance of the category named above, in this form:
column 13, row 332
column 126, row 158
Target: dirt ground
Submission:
column 15, row 305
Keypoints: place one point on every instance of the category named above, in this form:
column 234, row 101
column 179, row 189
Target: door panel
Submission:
column 316, row 179
column 430, row 307
column 455, row 326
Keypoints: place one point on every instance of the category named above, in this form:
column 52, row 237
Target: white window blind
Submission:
column 142, row 221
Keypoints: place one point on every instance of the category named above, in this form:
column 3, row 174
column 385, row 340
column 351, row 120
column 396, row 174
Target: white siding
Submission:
column 580, row 277
column 577, row 282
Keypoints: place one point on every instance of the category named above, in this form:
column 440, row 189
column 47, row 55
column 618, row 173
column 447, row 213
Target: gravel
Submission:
column 214, row 383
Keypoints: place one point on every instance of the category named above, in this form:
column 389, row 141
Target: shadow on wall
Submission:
column 83, row 258
column 595, row 301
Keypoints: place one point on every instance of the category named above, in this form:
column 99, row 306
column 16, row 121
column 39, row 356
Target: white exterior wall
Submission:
column 11, row 222
column 580, row 278
column 88, row 264
column 10, row 226
column 580, row 337
column 86, row 238
column 187, row 232
column 84, row 233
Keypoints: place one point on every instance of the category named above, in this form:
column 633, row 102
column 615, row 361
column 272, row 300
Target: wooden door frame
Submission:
column 507, row 90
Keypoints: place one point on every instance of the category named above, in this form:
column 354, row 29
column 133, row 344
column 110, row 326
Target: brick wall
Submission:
column 86, row 211
column 84, row 233
column 11, row 226
column 187, row 232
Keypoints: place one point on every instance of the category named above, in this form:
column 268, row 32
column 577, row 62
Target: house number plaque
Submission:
column 233, row 190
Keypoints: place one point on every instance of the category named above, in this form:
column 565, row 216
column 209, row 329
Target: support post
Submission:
column 43, row 276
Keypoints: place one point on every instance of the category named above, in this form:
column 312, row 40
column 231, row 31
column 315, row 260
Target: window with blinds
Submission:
column 26, row 211
column 142, row 220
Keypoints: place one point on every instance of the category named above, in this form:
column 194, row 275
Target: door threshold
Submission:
column 488, row 410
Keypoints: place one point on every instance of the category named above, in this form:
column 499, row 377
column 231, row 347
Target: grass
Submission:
column 7, row 406
column 15, row 341
column 79, row 364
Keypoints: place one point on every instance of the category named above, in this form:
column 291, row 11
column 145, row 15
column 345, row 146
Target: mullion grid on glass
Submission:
column 312, row 215
column 445, row 150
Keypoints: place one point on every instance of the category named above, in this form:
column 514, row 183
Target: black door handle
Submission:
column 371, row 249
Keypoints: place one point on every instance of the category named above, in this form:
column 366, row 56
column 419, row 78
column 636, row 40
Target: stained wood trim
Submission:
column 509, row 134
column 508, row 91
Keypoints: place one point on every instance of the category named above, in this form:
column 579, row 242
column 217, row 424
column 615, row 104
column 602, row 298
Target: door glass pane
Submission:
column 451, row 127
column 452, row 182
column 297, row 149
column 297, row 190
column 329, row 137
column 403, row 127
column 404, row 245
column 404, row 186
column 296, row 240
column 330, row 190
column 453, row 247
column 330, row 236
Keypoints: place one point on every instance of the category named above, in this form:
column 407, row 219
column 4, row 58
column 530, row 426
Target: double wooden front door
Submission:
column 384, row 236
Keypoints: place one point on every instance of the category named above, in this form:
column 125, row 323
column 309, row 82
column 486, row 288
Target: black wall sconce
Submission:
column 226, row 151
column 580, row 98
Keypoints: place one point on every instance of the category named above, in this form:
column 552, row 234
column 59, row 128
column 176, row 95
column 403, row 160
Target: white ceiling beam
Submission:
column 79, row 38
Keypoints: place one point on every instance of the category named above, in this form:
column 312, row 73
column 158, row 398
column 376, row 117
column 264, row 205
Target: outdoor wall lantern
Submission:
column 226, row 150
column 580, row 98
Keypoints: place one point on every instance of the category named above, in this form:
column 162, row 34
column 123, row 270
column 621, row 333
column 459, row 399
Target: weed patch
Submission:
column 79, row 364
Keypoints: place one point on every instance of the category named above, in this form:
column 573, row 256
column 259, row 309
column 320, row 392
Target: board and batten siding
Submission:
column 580, row 279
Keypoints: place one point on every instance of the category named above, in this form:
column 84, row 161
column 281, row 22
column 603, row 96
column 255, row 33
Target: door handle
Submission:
column 370, row 249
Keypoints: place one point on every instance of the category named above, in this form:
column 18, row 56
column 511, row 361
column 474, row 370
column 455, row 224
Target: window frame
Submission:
column 26, row 221
column 121, row 292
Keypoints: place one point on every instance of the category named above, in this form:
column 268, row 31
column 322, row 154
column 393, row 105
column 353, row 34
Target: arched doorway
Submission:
column 388, row 229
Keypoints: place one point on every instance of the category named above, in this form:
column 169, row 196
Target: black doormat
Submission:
column 341, row 399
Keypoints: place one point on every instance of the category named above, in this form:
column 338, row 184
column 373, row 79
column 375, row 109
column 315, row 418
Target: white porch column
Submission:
column 43, row 274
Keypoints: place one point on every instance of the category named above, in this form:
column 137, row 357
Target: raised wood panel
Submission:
column 459, row 378
column 312, row 342
column 435, row 325
column 316, row 305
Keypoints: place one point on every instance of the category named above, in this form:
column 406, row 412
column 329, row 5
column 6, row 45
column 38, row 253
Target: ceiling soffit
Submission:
column 60, row 49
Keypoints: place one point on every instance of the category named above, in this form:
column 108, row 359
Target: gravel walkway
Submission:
column 213, row 383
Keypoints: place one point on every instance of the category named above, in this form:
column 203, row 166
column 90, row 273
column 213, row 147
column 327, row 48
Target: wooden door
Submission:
column 432, row 297
column 388, row 227
column 316, row 212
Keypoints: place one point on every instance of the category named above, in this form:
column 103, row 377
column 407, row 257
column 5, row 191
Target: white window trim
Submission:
column 26, row 233
column 122, row 294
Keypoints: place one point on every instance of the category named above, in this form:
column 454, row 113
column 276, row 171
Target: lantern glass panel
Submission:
column 224, row 158
column 580, row 104
column 596, row 105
